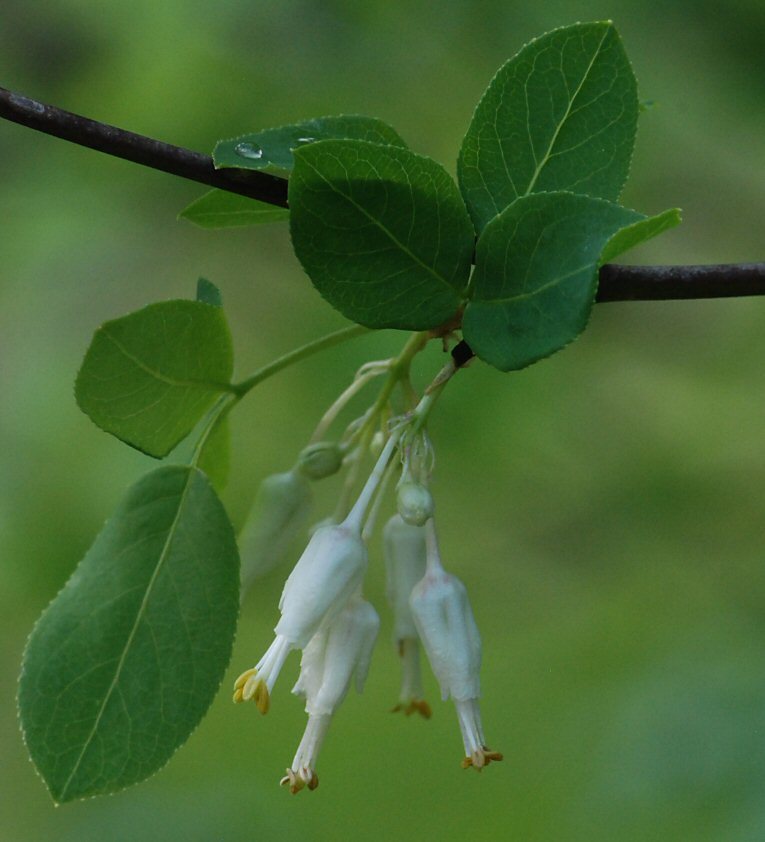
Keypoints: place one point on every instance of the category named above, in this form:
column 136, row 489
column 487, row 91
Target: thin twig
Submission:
column 139, row 149
column 617, row 283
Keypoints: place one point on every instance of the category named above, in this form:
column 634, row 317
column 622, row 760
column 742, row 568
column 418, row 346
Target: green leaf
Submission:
column 560, row 115
column 272, row 149
column 639, row 232
column 221, row 209
column 125, row 661
column 536, row 272
column 208, row 293
column 215, row 459
column 148, row 377
column 383, row 233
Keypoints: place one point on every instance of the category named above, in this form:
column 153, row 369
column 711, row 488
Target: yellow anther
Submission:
column 250, row 685
column 242, row 680
column 414, row 706
column 296, row 781
column 292, row 781
column 261, row 696
column 480, row 758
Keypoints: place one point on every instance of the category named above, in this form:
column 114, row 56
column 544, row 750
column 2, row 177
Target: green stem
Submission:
column 432, row 393
column 397, row 372
column 237, row 391
column 301, row 353
column 222, row 407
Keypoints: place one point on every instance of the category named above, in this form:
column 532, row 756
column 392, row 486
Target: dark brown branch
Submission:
column 140, row 149
column 617, row 283
column 660, row 283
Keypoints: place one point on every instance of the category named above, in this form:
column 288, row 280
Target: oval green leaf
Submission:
column 149, row 377
column 536, row 272
column 125, row 661
column 382, row 232
column 221, row 209
column 559, row 115
column 272, row 149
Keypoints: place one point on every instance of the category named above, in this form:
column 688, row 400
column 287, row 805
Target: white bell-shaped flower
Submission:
column 405, row 555
column 328, row 572
column 343, row 646
column 278, row 515
column 448, row 631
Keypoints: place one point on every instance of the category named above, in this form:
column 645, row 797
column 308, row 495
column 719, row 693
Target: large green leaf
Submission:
column 560, row 115
column 221, row 209
column 148, row 377
column 536, row 272
column 272, row 149
column 383, row 233
column 125, row 661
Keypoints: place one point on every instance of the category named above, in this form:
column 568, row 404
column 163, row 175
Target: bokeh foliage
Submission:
column 605, row 508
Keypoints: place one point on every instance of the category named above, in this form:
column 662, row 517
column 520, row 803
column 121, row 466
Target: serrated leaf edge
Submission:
column 19, row 718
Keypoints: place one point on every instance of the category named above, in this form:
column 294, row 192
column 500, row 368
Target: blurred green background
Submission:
column 606, row 508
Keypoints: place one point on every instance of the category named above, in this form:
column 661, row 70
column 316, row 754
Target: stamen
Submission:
column 477, row 753
column 411, row 699
column 414, row 706
column 302, row 772
column 257, row 683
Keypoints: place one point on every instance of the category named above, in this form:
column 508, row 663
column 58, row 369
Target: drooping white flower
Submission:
column 448, row 631
column 328, row 572
column 405, row 565
column 278, row 515
column 343, row 646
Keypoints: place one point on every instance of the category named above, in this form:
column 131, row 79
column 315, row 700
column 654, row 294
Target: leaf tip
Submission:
column 209, row 293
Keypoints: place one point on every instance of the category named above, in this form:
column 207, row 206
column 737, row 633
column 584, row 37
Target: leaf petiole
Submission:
column 297, row 355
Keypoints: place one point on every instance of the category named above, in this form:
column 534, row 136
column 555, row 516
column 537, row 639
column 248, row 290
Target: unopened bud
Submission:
column 415, row 503
column 278, row 515
column 320, row 460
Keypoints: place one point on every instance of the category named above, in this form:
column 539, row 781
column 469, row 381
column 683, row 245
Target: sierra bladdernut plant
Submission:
column 502, row 266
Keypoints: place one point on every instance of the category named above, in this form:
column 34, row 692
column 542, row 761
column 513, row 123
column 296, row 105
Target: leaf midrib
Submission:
column 163, row 378
column 133, row 630
column 523, row 296
column 541, row 164
column 375, row 221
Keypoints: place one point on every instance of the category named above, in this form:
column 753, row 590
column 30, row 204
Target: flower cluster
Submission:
column 323, row 611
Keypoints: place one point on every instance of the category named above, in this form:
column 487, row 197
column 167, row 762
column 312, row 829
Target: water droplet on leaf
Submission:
column 248, row 150
column 302, row 140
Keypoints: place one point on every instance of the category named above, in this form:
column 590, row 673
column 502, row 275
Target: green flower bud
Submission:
column 320, row 460
column 278, row 515
column 415, row 503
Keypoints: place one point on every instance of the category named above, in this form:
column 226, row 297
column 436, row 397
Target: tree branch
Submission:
column 662, row 283
column 139, row 149
column 617, row 283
